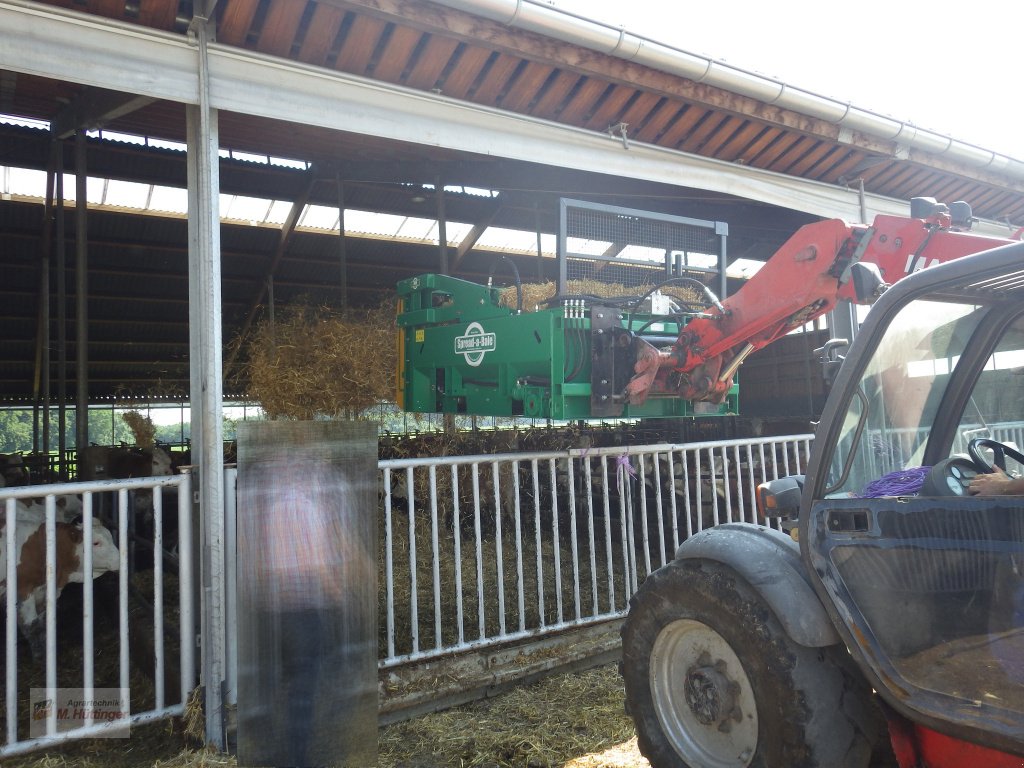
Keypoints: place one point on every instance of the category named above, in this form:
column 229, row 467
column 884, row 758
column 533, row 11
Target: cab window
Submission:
column 889, row 418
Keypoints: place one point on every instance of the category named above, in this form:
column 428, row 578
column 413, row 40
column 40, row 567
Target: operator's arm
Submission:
column 997, row 483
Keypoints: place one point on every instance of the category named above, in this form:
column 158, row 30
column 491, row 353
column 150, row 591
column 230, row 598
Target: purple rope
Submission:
column 903, row 482
column 622, row 464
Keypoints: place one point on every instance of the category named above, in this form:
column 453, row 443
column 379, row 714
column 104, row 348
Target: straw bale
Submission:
column 322, row 362
column 194, row 717
column 142, row 428
column 536, row 294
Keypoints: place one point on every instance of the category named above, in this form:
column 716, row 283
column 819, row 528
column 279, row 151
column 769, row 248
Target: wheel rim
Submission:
column 702, row 696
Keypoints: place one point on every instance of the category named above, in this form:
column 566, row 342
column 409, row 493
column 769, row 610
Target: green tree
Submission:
column 15, row 430
column 106, row 427
column 173, row 433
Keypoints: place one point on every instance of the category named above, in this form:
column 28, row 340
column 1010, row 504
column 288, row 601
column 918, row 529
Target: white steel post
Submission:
column 205, row 376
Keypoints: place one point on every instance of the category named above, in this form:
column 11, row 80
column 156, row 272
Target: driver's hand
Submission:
column 997, row 483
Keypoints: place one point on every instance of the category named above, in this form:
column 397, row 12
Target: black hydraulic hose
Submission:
column 515, row 272
column 577, row 334
column 712, row 299
column 607, row 301
column 581, row 350
column 677, row 318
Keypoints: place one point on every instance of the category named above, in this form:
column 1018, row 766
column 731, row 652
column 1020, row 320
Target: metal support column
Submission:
column 41, row 384
column 722, row 230
column 442, row 228
column 62, row 324
column 342, row 253
column 81, row 297
column 842, row 321
column 205, row 377
column 861, row 201
column 540, row 244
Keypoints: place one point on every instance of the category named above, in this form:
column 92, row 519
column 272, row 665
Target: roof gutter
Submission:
column 578, row 30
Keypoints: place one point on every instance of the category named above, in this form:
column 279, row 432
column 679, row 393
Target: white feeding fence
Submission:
column 86, row 664
column 475, row 551
column 480, row 550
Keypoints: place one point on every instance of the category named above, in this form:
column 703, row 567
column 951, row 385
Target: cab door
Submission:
column 924, row 581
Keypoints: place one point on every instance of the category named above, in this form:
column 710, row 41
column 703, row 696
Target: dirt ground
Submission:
column 566, row 721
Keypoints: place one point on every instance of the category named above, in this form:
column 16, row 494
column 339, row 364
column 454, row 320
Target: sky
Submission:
column 950, row 68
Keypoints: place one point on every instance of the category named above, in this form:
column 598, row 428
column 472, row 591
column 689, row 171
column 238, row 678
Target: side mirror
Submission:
column 780, row 498
column 962, row 215
column 926, row 207
column 868, row 284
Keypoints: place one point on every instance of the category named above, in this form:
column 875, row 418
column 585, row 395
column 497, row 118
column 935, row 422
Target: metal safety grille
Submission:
column 635, row 250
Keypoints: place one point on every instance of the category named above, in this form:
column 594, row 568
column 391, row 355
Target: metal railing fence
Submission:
column 481, row 550
column 474, row 551
column 89, row 665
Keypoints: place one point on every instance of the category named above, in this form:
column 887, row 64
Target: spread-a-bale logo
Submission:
column 475, row 343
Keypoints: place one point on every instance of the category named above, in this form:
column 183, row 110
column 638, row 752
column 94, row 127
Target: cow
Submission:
column 30, row 555
column 103, row 463
column 68, row 508
column 12, row 470
column 100, row 463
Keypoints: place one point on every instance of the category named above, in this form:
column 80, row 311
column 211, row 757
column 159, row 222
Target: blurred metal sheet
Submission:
column 307, row 594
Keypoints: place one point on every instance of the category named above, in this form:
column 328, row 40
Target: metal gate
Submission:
column 107, row 621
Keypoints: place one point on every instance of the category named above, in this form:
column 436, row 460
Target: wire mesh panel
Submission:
column 635, row 250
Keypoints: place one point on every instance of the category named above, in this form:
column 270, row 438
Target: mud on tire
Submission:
column 713, row 681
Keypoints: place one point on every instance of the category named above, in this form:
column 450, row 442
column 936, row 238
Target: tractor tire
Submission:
column 713, row 681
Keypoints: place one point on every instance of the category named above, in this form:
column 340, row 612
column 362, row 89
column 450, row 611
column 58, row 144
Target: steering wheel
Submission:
column 953, row 476
column 1000, row 451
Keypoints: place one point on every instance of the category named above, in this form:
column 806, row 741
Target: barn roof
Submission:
column 524, row 60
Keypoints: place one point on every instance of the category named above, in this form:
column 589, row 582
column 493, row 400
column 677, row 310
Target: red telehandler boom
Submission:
column 819, row 265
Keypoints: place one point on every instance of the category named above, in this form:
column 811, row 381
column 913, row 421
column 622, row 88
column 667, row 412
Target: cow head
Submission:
column 161, row 462
column 105, row 555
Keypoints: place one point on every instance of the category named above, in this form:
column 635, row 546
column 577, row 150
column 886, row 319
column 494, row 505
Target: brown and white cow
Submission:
column 69, row 508
column 30, row 557
column 99, row 462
